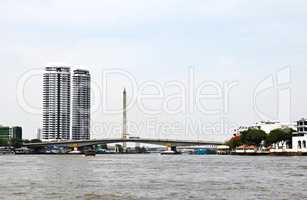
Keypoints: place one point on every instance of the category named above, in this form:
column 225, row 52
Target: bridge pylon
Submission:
column 124, row 133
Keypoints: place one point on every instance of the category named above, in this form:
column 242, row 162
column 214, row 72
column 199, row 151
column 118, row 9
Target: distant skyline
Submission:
column 256, row 49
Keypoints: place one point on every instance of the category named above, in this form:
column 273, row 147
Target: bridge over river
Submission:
column 162, row 142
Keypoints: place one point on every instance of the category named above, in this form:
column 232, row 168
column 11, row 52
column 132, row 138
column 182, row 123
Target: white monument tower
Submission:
column 124, row 134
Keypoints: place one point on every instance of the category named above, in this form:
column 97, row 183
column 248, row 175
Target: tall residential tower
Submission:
column 56, row 103
column 81, row 105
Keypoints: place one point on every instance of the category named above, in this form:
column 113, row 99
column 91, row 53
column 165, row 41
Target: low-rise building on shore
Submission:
column 299, row 138
column 266, row 126
column 7, row 133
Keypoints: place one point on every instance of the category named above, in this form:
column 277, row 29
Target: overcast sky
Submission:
column 248, row 60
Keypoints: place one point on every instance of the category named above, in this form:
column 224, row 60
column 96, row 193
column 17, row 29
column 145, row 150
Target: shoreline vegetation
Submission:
column 277, row 138
column 256, row 142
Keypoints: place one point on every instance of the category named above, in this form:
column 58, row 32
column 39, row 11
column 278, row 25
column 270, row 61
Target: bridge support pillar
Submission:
column 173, row 148
column 119, row 148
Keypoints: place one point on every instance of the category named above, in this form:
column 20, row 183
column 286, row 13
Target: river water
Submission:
column 152, row 176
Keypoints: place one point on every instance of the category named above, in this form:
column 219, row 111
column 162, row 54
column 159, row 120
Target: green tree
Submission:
column 253, row 136
column 26, row 141
column 35, row 141
column 279, row 135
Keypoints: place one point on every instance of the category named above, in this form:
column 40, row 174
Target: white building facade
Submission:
column 56, row 103
column 81, row 105
column 266, row 126
column 299, row 138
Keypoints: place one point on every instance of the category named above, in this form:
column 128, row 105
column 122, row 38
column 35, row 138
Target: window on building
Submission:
column 299, row 145
column 304, row 144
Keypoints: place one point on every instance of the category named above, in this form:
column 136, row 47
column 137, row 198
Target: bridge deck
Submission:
column 163, row 142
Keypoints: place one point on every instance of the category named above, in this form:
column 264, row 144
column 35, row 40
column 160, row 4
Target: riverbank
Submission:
column 272, row 152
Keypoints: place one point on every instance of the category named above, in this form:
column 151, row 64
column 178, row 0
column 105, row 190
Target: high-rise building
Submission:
column 39, row 134
column 56, row 103
column 81, row 108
